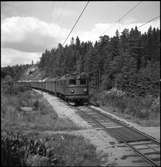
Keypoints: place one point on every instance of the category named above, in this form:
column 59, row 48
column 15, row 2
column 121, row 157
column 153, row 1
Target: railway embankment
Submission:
column 142, row 110
column 152, row 131
column 64, row 111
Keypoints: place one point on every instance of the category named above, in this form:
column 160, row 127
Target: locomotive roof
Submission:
column 51, row 79
column 74, row 76
column 67, row 76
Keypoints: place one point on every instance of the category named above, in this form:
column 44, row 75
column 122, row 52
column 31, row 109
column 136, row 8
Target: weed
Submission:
column 143, row 108
column 52, row 150
column 36, row 105
column 33, row 149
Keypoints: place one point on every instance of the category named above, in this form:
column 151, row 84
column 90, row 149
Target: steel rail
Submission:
column 146, row 159
column 125, row 125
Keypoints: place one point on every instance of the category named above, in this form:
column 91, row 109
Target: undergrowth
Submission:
column 136, row 107
column 53, row 150
column 24, row 116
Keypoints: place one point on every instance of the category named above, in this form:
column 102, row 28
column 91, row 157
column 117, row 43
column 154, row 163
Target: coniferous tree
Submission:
column 122, row 60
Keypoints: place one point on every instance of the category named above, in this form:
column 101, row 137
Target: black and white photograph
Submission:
column 80, row 83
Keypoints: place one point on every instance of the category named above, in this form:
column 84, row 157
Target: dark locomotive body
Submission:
column 71, row 88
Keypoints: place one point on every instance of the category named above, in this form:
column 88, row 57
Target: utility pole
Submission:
column 78, row 66
column 97, row 76
column 136, row 51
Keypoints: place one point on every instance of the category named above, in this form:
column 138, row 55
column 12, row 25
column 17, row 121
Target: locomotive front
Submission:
column 77, row 88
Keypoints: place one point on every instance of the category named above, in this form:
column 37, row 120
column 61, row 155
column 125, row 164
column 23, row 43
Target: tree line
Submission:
column 129, row 61
column 13, row 73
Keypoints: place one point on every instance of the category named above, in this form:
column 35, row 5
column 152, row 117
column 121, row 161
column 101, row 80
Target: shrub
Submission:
column 36, row 105
column 59, row 150
column 11, row 88
column 137, row 106
column 155, row 107
column 37, row 160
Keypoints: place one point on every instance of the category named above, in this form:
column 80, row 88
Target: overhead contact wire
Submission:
column 130, row 10
column 76, row 21
column 154, row 18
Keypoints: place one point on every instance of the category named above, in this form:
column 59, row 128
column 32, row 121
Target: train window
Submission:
column 82, row 81
column 72, row 82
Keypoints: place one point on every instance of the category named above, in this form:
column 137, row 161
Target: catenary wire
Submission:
column 116, row 21
column 76, row 22
column 130, row 10
column 149, row 21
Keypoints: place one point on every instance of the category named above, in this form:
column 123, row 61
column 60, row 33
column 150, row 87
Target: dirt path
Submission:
column 111, row 152
column 64, row 111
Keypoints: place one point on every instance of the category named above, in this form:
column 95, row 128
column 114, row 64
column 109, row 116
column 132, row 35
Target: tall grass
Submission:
column 55, row 150
column 21, row 146
column 147, row 107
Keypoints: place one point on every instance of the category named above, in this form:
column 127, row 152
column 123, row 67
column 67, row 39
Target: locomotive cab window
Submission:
column 72, row 82
column 82, row 81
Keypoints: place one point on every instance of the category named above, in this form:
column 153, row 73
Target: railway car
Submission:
column 70, row 87
column 37, row 84
column 50, row 85
column 73, row 88
column 23, row 83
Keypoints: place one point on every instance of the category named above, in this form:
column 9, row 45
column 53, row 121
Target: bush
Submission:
column 59, row 150
column 36, row 105
column 38, row 161
column 12, row 89
column 155, row 108
column 137, row 106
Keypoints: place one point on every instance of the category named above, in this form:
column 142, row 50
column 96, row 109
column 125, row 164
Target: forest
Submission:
column 13, row 73
column 129, row 61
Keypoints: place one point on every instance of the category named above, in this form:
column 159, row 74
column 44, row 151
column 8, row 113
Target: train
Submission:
column 70, row 87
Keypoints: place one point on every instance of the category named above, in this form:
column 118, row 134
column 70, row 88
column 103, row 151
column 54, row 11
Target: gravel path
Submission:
column 64, row 111
column 111, row 152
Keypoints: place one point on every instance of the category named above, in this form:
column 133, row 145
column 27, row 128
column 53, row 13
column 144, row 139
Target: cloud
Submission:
column 63, row 12
column 13, row 57
column 23, row 39
column 30, row 34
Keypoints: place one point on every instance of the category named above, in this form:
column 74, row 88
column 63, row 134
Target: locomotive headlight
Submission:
column 85, row 89
column 72, row 91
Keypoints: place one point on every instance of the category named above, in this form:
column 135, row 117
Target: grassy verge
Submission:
column 142, row 110
column 25, row 115
column 28, row 110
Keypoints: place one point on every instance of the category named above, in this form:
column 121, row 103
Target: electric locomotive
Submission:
column 73, row 88
column 70, row 87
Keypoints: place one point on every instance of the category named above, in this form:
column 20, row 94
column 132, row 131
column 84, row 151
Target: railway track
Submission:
column 145, row 146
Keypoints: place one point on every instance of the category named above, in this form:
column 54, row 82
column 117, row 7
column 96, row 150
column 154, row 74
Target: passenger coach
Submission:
column 70, row 87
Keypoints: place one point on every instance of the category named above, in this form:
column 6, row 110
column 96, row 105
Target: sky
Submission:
column 30, row 27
